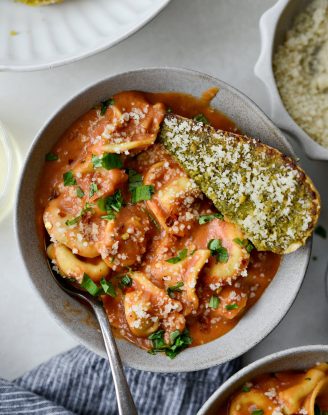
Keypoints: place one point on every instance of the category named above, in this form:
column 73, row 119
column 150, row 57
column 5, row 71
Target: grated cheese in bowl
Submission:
column 301, row 70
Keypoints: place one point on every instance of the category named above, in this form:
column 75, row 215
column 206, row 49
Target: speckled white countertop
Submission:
column 220, row 37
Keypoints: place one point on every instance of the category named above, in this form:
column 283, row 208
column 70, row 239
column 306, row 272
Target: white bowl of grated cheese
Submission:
column 302, row 115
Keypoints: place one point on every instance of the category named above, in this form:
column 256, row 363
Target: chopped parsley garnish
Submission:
column 169, row 110
column 93, row 189
column 181, row 255
column 231, row 306
column 143, row 192
column 258, row 412
column 245, row 388
column 175, row 288
column 105, row 104
column 108, row 287
column 87, row 208
column 69, row 179
column 217, row 250
column 90, row 286
column 208, row 218
column 201, row 118
column 179, row 342
column 135, row 179
column 321, row 231
column 245, row 243
column 126, row 281
column 51, row 157
column 108, row 161
column 214, row 302
column 111, row 205
column 79, row 192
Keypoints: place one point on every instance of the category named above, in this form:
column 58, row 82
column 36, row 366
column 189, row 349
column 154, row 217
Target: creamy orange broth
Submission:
column 143, row 236
column 282, row 393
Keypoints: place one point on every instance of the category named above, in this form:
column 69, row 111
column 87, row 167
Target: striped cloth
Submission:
column 79, row 382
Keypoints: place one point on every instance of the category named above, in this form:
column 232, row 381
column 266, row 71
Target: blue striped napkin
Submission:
column 79, row 382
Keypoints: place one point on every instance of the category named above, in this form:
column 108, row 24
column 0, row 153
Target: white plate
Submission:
column 54, row 35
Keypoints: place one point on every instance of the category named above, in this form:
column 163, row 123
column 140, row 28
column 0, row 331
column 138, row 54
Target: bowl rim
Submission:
column 151, row 365
column 248, row 370
column 264, row 71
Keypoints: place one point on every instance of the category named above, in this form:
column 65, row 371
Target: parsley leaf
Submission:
column 245, row 388
column 214, row 302
column 87, row 208
column 90, row 286
column 126, row 281
column 51, row 157
column 231, row 306
column 108, row 161
column 175, row 288
column 93, row 189
column 143, row 192
column 105, row 104
column 321, row 231
column 245, row 243
column 135, row 179
column 108, row 287
column 181, row 255
column 258, row 412
column 79, row 192
column 69, row 179
column 111, row 204
column 217, row 250
column 208, row 218
column 201, row 118
column 179, row 342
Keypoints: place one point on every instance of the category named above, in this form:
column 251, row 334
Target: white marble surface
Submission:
column 220, row 37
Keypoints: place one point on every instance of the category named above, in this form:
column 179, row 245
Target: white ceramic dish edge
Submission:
column 301, row 357
column 263, row 70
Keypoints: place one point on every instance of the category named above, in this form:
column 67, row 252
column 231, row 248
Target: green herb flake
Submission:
column 69, row 179
column 208, row 218
column 108, row 161
column 245, row 389
column 245, row 243
column 258, row 412
column 169, row 110
column 175, row 288
column 179, row 342
column 135, row 179
column 79, row 192
column 87, row 208
column 51, row 157
column 143, row 192
column 105, row 104
column 233, row 306
column 90, row 286
column 111, row 205
column 93, row 189
column 126, row 281
column 218, row 251
column 321, row 231
column 201, row 118
column 108, row 287
column 214, row 302
column 181, row 255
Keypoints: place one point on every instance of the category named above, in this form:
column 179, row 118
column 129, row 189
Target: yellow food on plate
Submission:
column 39, row 2
column 282, row 393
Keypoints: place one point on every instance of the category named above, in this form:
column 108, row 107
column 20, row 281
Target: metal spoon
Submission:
column 125, row 403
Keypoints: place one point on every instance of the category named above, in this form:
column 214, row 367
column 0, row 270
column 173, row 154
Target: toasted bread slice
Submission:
column 254, row 185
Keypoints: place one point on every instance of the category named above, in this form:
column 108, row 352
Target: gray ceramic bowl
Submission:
column 297, row 358
column 255, row 325
column 274, row 24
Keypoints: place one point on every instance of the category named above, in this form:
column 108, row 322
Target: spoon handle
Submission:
column 124, row 398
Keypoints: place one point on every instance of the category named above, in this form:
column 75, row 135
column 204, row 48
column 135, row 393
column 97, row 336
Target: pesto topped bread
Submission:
column 254, row 185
